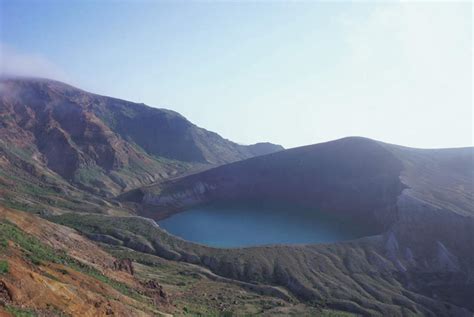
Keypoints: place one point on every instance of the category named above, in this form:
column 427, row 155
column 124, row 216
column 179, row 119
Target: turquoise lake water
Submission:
column 230, row 226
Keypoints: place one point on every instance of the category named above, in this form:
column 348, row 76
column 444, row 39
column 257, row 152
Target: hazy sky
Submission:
column 292, row 73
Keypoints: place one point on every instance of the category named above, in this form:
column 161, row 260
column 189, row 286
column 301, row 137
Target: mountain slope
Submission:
column 352, row 176
column 101, row 144
column 50, row 270
column 370, row 277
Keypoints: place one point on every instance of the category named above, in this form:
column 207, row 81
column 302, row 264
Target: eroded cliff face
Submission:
column 54, row 127
column 199, row 193
column 431, row 239
column 442, row 178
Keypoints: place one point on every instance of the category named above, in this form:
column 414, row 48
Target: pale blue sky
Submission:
column 292, row 73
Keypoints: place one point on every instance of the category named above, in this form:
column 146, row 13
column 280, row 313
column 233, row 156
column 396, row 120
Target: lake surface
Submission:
column 242, row 225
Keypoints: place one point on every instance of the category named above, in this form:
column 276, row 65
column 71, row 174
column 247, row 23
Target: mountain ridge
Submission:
column 350, row 153
column 101, row 142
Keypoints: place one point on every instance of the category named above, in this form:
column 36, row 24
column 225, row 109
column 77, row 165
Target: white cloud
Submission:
column 13, row 62
column 407, row 76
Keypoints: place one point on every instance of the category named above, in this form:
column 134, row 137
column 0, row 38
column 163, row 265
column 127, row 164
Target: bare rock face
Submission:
column 5, row 294
column 178, row 200
column 155, row 290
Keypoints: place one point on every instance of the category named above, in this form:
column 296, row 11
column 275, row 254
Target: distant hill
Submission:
column 101, row 144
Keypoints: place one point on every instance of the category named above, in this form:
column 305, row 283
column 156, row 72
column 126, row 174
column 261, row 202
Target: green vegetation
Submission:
column 3, row 243
column 23, row 153
column 20, row 312
column 121, row 287
column 4, row 268
column 36, row 190
column 13, row 204
column 23, row 193
column 88, row 175
column 335, row 313
column 164, row 271
column 35, row 250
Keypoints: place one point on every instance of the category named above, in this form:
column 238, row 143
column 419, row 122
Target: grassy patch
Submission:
column 20, row 312
column 335, row 313
column 88, row 175
column 10, row 201
column 4, row 268
column 164, row 271
column 34, row 249
column 24, row 153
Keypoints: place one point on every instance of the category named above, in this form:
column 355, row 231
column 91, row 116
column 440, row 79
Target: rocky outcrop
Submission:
column 199, row 193
column 125, row 265
column 5, row 294
column 155, row 290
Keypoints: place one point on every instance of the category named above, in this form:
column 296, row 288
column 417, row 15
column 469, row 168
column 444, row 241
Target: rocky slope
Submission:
column 101, row 144
column 374, row 276
column 50, row 270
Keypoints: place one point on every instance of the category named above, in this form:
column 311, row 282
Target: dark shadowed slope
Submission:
column 354, row 177
column 351, row 176
column 102, row 144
